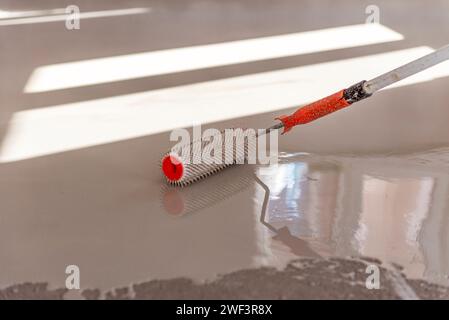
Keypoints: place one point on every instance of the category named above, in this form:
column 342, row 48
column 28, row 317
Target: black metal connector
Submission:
column 356, row 93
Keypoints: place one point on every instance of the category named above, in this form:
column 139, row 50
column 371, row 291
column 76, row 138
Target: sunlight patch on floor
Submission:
column 60, row 128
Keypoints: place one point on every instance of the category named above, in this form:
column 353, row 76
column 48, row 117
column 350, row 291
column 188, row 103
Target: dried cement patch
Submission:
column 307, row 278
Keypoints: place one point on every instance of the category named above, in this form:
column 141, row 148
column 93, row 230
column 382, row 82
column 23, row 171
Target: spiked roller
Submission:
column 182, row 168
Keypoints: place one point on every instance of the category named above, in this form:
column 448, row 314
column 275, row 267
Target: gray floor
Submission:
column 371, row 181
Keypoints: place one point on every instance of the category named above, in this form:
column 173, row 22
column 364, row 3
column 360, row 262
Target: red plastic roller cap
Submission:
column 172, row 168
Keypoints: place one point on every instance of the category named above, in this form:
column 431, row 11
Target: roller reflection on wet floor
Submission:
column 393, row 208
column 205, row 194
column 220, row 187
column 388, row 207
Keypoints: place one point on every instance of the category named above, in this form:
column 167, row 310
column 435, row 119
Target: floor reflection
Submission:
column 296, row 245
column 393, row 208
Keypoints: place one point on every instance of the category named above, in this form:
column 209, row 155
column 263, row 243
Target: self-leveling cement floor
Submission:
column 80, row 179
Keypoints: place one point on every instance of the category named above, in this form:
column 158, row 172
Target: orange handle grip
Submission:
column 314, row 110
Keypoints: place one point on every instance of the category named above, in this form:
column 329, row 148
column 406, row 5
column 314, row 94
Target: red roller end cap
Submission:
column 172, row 168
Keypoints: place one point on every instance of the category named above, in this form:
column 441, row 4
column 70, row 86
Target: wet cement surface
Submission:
column 372, row 181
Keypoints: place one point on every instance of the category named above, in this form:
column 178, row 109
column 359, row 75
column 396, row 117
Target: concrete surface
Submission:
column 81, row 183
column 306, row 278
